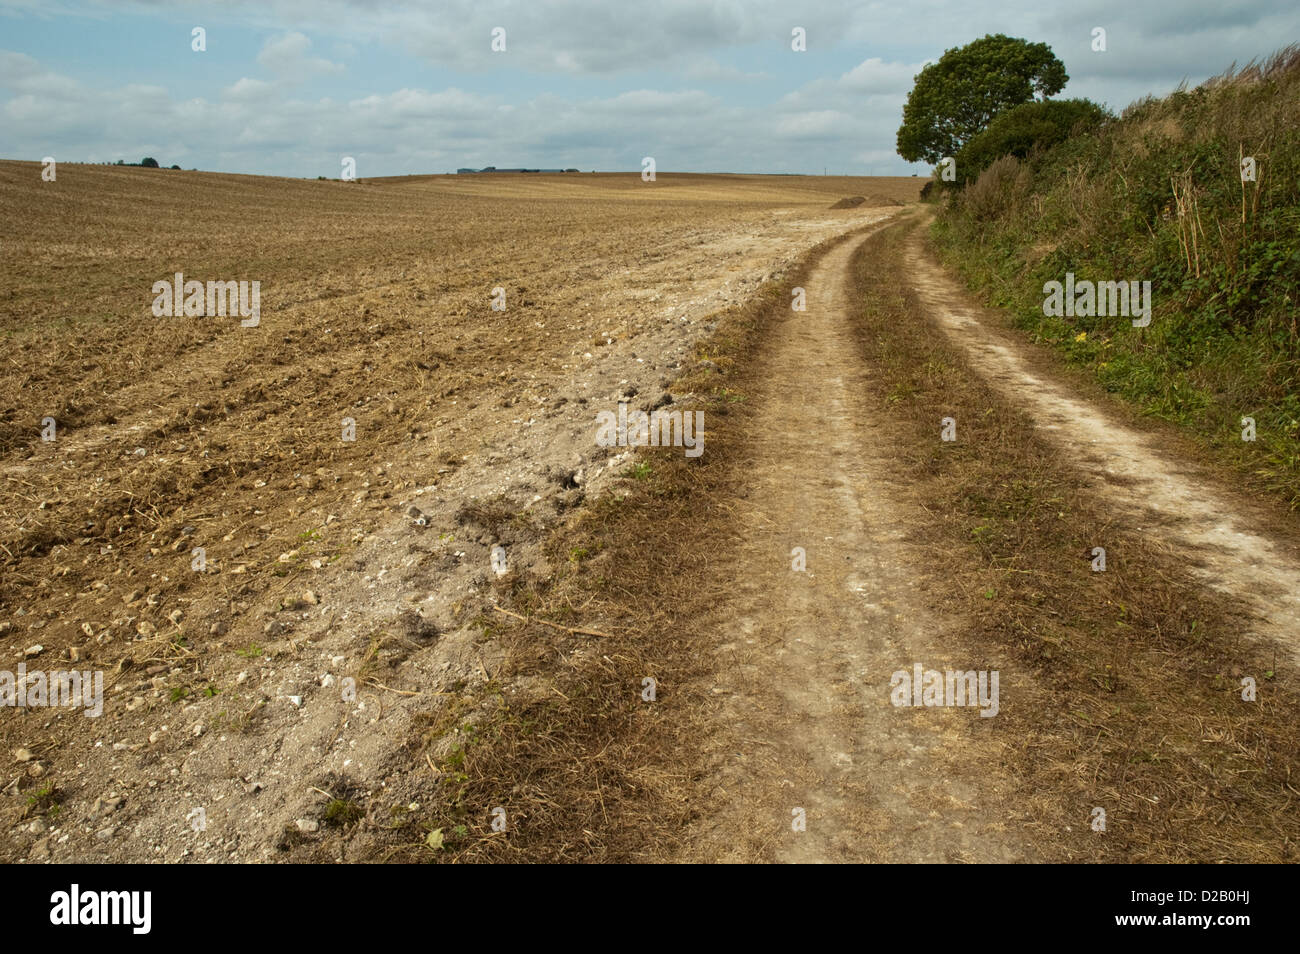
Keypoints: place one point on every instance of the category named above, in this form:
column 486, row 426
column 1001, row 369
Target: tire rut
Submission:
column 1229, row 550
column 805, row 660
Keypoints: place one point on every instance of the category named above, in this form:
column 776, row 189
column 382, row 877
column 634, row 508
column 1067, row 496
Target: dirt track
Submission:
column 1221, row 536
column 806, row 657
column 804, row 661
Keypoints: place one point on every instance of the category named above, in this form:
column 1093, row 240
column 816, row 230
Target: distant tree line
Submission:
column 148, row 162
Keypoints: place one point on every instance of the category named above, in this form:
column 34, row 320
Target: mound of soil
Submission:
column 852, row 202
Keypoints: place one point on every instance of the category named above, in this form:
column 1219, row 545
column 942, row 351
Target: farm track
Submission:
column 841, row 457
column 1227, row 541
column 805, row 726
column 480, row 424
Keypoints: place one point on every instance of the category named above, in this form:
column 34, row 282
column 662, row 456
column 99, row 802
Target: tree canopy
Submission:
column 956, row 98
column 1026, row 129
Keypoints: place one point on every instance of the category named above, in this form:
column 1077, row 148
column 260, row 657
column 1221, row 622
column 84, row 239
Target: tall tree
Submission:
column 956, row 98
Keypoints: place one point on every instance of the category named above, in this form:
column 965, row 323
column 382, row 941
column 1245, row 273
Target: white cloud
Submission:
column 246, row 89
column 16, row 68
column 876, row 76
column 286, row 56
column 819, row 124
column 21, row 73
column 706, row 69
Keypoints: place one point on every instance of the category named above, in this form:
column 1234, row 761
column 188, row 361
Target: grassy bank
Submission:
column 1136, row 707
column 1158, row 195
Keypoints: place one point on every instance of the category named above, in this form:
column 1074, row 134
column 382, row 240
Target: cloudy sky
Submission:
column 288, row 87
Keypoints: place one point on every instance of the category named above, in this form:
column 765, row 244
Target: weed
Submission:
column 342, row 813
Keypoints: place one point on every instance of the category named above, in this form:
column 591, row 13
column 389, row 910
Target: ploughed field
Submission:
column 196, row 438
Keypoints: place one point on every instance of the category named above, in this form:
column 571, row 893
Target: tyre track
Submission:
column 1230, row 551
column 806, row 658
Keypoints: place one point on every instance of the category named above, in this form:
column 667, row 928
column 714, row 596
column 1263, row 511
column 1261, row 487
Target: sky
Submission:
column 290, row 87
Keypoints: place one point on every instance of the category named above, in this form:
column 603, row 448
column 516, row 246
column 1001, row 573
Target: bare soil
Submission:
column 326, row 560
